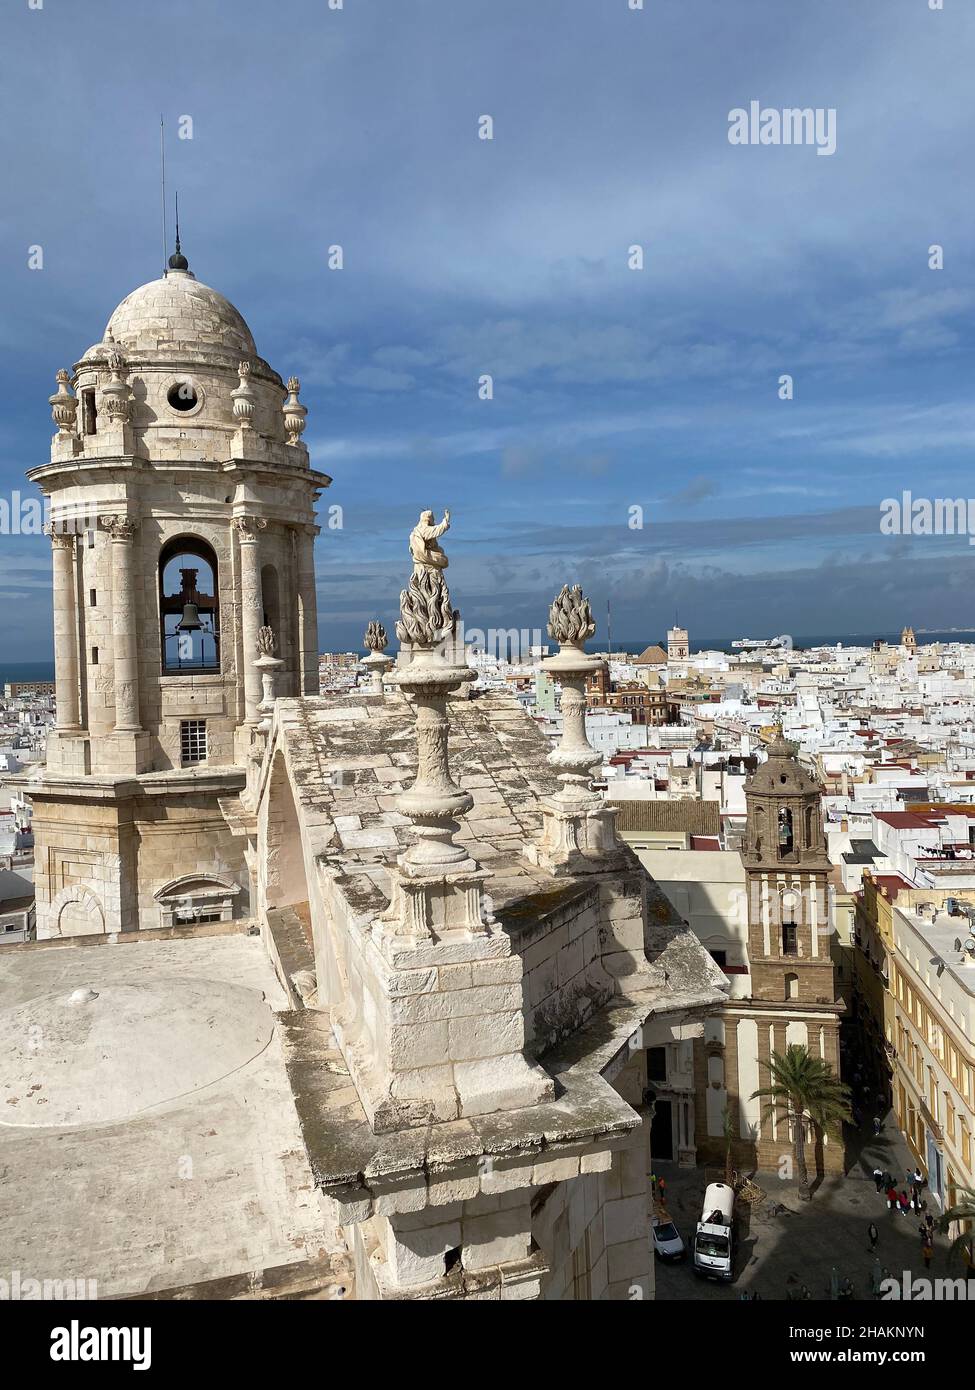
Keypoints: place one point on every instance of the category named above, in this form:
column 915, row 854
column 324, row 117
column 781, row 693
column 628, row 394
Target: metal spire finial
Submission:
column 178, row 261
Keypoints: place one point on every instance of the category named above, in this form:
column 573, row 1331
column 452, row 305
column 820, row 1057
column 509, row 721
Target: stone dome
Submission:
column 782, row 774
column 179, row 313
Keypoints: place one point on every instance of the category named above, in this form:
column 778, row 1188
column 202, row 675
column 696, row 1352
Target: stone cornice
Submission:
column 105, row 788
column 273, row 470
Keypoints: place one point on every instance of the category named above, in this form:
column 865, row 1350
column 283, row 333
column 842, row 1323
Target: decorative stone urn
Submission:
column 243, row 398
column 578, row 828
column 268, row 664
column 115, row 392
column 64, row 407
column 376, row 664
column 294, row 412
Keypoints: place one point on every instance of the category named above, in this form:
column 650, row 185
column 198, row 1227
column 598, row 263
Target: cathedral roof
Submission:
column 178, row 312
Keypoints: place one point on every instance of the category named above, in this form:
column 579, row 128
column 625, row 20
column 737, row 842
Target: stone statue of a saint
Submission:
column 427, row 555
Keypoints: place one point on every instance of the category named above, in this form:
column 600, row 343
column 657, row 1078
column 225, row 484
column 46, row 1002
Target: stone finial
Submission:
column 115, row 392
column 243, row 398
column 64, row 407
column 268, row 665
column 376, row 663
column 375, row 637
column 578, row 831
column 295, row 413
column 426, row 615
column 570, row 620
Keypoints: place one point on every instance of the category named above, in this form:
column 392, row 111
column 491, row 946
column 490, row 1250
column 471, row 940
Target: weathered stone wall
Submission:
column 99, row 863
column 564, row 979
column 182, row 836
column 594, row 1229
column 578, row 953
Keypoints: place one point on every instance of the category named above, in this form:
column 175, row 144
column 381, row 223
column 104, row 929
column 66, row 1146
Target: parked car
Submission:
column 667, row 1240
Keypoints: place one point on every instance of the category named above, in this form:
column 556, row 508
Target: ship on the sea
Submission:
column 752, row 644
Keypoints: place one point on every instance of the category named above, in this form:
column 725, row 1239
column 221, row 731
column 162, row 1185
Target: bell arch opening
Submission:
column 189, row 607
column 786, row 833
column 271, row 600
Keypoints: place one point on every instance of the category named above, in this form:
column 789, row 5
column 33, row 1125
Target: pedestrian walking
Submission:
column 903, row 1203
column 891, row 1197
column 918, row 1178
column 929, row 1223
column 878, row 1125
column 878, row 1177
column 874, row 1235
column 661, row 1192
column 927, row 1250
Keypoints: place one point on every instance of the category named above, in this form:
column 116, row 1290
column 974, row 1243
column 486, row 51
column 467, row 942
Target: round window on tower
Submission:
column 184, row 396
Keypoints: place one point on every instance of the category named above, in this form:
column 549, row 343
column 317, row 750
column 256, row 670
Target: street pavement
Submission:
column 784, row 1242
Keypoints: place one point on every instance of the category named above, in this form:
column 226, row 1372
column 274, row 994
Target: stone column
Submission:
column 308, row 601
column 65, row 632
column 125, row 639
column 251, row 610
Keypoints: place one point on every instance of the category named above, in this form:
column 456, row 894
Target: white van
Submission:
column 714, row 1238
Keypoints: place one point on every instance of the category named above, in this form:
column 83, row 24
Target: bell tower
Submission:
column 677, row 643
column 789, row 993
column 183, row 522
column 787, row 879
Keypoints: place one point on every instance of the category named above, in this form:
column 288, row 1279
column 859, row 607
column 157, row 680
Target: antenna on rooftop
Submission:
column 162, row 170
column 609, row 629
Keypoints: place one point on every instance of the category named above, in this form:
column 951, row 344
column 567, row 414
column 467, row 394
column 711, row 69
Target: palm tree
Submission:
column 963, row 1212
column 804, row 1087
column 728, row 1129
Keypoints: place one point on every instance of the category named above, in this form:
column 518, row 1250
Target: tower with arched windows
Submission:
column 183, row 521
column 789, row 994
column 787, row 882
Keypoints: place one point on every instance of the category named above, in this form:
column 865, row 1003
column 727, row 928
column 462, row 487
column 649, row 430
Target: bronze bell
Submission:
column 190, row 621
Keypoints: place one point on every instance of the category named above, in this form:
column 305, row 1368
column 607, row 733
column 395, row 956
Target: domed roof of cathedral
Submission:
column 178, row 312
column 782, row 774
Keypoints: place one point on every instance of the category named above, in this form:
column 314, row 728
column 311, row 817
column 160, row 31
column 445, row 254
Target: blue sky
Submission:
column 612, row 388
